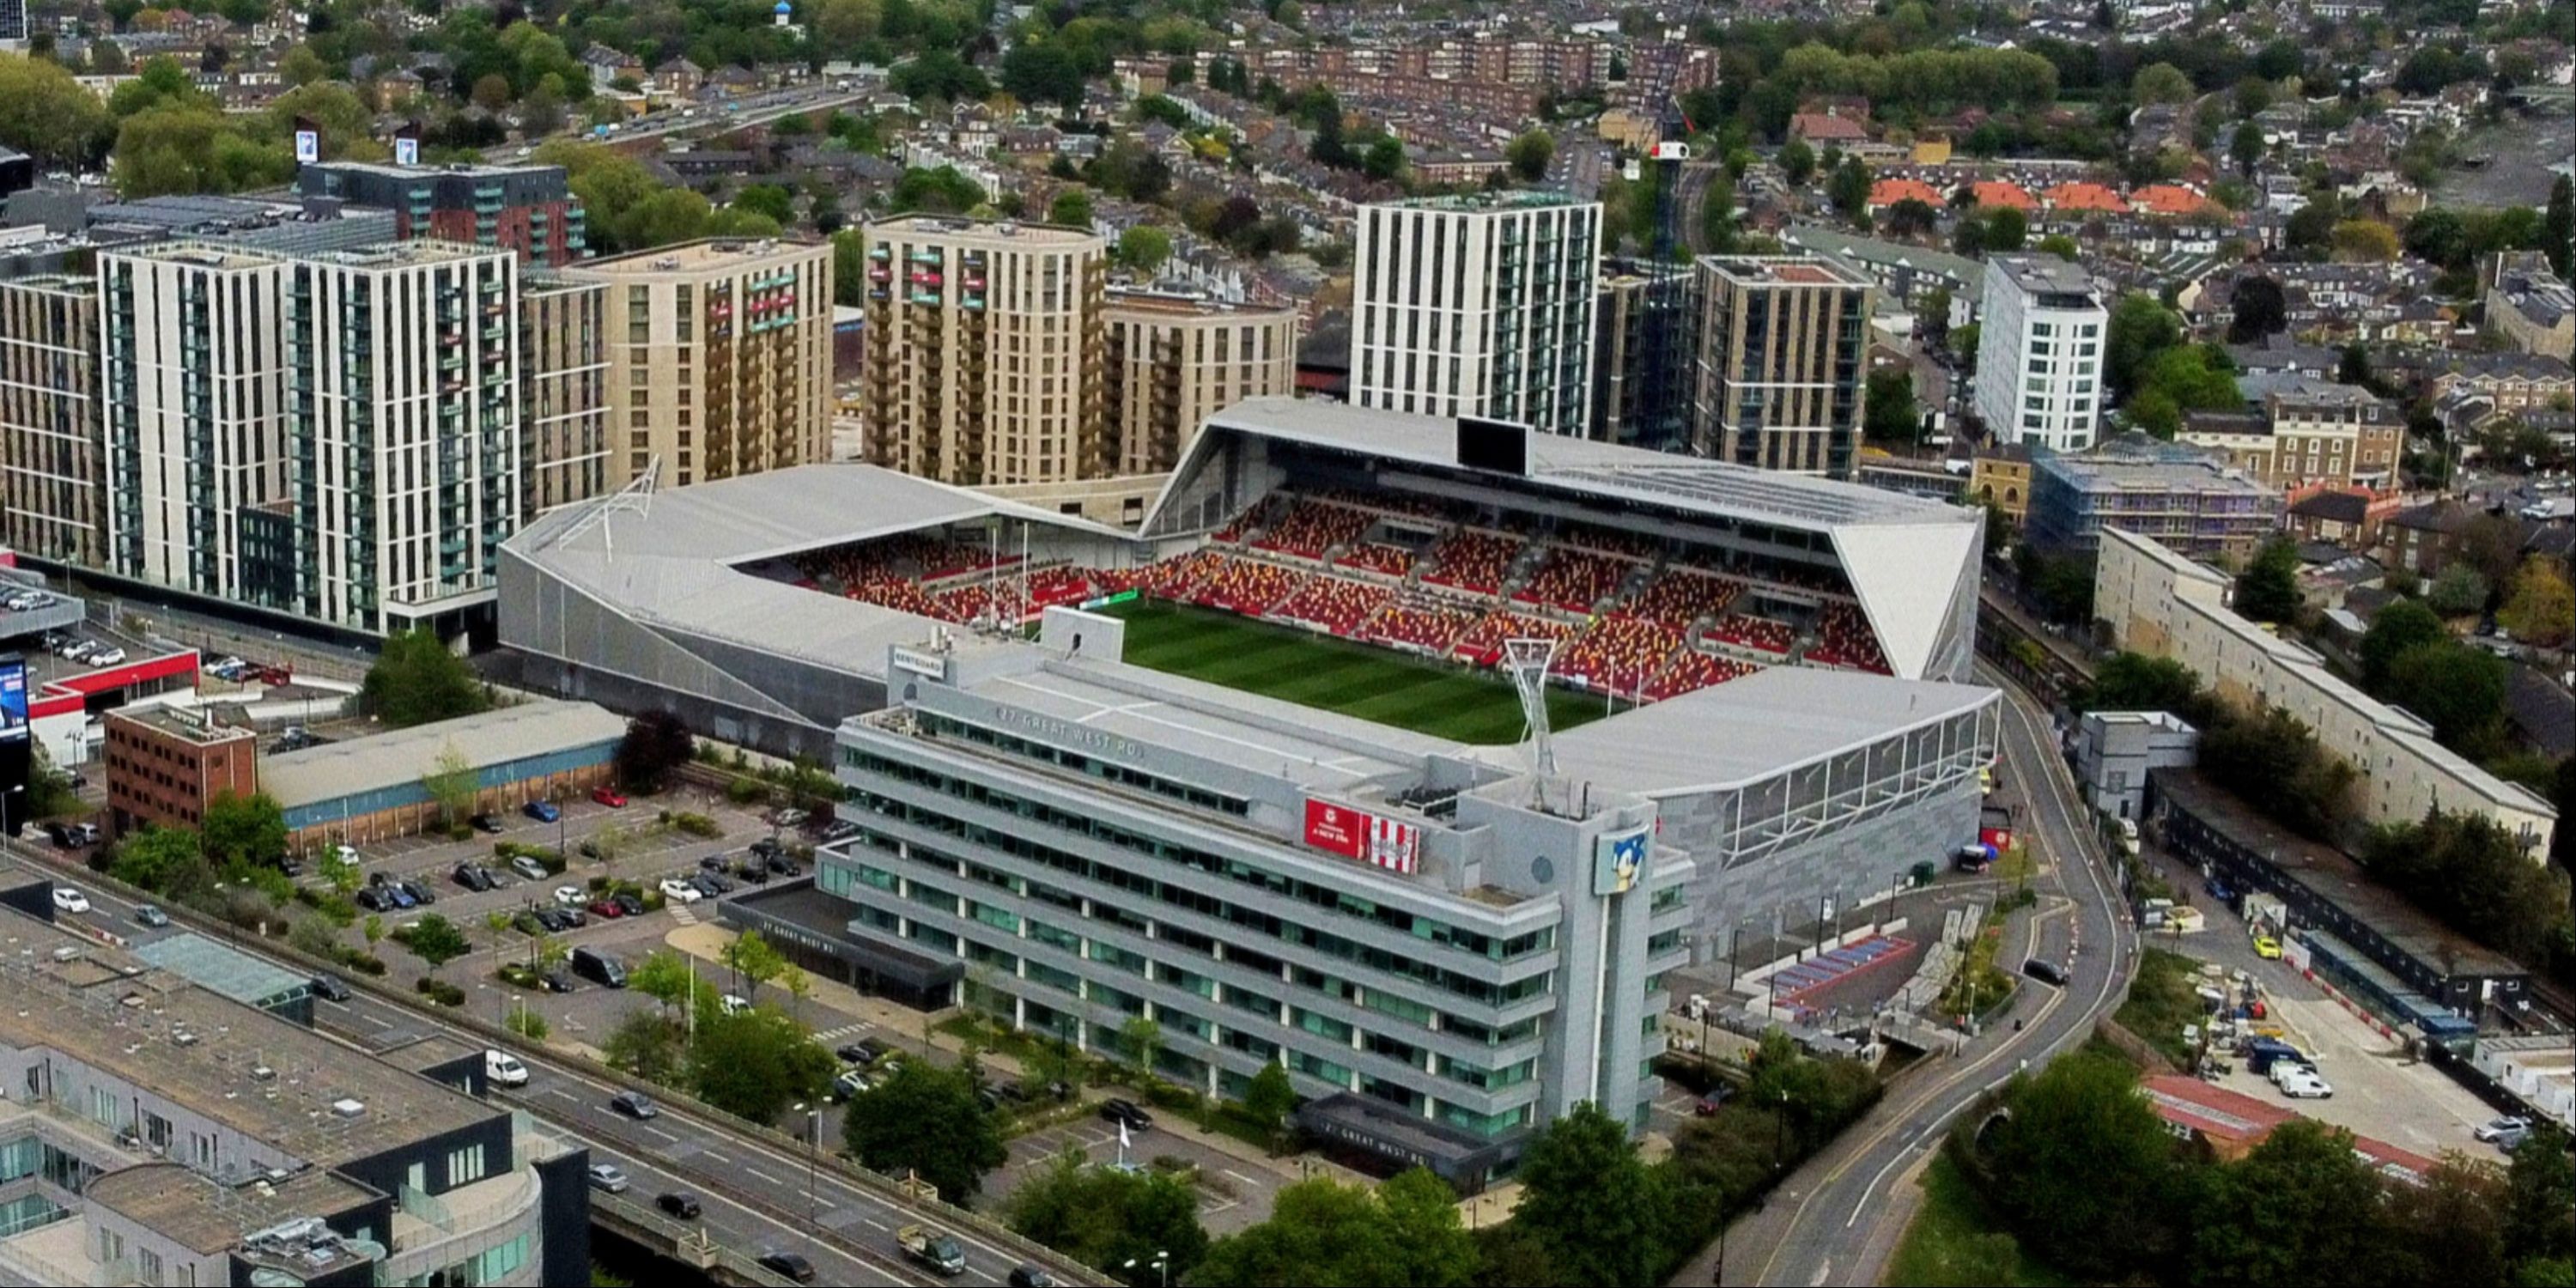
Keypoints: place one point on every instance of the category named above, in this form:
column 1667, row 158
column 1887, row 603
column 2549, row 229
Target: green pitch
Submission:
column 1334, row 675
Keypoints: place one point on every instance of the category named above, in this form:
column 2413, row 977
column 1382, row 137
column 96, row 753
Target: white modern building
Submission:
column 2039, row 352
column 1478, row 306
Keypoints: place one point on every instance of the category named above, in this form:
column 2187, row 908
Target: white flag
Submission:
column 1122, row 1136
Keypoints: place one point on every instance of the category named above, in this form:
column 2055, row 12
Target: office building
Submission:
column 193, row 365
column 1780, row 383
column 526, row 209
column 13, row 24
column 163, row 1130
column 52, row 503
column 2179, row 495
column 1642, row 355
column 1175, row 360
column 987, row 351
column 2041, row 331
column 166, row 764
column 1478, row 306
column 719, row 358
column 564, row 453
column 2527, row 306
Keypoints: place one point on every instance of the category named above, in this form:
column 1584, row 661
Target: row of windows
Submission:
column 1011, row 745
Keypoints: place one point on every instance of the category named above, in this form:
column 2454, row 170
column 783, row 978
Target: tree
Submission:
column 48, row 115
column 1144, row 1041
column 240, row 830
column 1042, row 72
column 1530, row 154
column 2540, row 1190
column 1271, row 1097
column 2492, row 544
column 168, row 861
column 1105, row 1217
column 2557, row 228
column 1890, row 413
column 939, row 74
column 2457, row 689
column 1385, row 158
column 451, row 783
column 1797, row 162
column 192, row 148
column 2006, row 229
column 841, row 26
column 2137, row 682
column 664, row 976
column 2260, row 308
column 416, row 680
column 436, row 940
column 2083, row 1169
column 755, row 1063
column 2541, row 606
column 2161, row 83
column 2457, row 590
column 1144, row 248
column 2354, row 367
column 2060, row 245
column 2246, row 147
column 754, row 960
column 1849, row 190
column 2311, row 228
column 2302, row 1208
column 2271, row 761
column 644, row 1044
column 655, row 745
column 2140, row 329
column 492, row 92
column 926, row 1121
column 1323, row 1232
column 2268, row 589
column 2365, row 241
column 1911, row 217
column 1591, row 1203
column 2399, row 628
column 302, row 66
column 768, row 200
column 1071, row 207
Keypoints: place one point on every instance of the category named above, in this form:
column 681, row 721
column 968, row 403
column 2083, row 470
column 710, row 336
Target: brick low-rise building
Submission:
column 164, row 766
column 529, row 209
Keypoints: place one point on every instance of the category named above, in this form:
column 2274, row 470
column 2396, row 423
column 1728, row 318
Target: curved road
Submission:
column 1828, row 1223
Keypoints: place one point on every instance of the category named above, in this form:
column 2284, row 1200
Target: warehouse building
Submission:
column 368, row 789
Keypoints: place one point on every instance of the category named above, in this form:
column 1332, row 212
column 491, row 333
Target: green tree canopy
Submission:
column 2459, row 690
column 1591, row 1203
column 656, row 744
column 2271, row 761
column 1071, row 207
column 2268, row 589
column 2540, row 608
column 241, row 831
column 2301, row 1209
column 925, row 1120
column 2084, row 1169
column 756, row 1062
column 2458, row 590
column 1892, row 415
column 1144, row 248
column 1104, row 1217
column 2398, row 628
column 1324, row 1233
column 437, row 940
column 416, row 680
column 48, row 115
column 2140, row 329
column 168, row 861
column 1529, row 155
column 2136, row 682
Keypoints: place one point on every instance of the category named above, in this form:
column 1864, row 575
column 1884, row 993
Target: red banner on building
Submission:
column 1358, row 834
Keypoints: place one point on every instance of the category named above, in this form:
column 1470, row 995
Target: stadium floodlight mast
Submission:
column 636, row 496
column 1527, row 660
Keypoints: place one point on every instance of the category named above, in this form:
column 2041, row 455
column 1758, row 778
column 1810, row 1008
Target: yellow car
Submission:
column 2267, row 948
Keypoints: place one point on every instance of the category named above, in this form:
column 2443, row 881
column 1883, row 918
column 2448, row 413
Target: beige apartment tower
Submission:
column 563, row 373
column 719, row 358
column 1779, row 384
column 985, row 351
column 1175, row 360
column 51, row 466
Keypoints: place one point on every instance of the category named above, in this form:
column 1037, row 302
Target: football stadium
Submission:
column 1413, row 697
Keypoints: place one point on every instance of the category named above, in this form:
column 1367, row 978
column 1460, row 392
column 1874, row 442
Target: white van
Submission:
column 502, row 1069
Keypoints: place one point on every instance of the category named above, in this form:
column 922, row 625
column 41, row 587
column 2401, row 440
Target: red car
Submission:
column 609, row 796
column 607, row 909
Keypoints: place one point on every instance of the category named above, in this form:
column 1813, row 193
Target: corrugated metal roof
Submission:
column 339, row 769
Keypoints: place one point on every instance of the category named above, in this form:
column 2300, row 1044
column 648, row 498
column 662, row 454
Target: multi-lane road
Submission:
column 755, row 1196
column 1828, row 1222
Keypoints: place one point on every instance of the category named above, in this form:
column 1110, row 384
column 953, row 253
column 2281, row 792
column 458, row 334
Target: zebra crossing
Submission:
column 829, row 1037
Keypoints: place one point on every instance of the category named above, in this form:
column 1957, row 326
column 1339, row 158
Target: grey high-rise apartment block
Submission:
column 1780, row 385
column 1478, row 306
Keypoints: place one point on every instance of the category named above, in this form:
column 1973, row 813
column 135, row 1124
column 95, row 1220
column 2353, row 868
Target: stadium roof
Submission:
column 1910, row 560
column 1753, row 728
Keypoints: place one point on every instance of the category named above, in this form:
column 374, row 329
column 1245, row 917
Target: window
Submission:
column 464, row 1166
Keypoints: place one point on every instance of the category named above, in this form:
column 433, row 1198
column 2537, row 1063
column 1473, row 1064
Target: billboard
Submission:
column 13, row 697
column 1358, row 834
column 1618, row 859
column 406, row 150
column 308, row 146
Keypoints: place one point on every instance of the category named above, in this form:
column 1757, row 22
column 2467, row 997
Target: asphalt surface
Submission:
column 1828, row 1221
column 755, row 1196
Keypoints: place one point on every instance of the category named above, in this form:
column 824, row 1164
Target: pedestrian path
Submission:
column 681, row 913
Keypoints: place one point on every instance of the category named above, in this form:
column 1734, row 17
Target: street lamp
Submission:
column 813, row 1147
column 1162, row 1261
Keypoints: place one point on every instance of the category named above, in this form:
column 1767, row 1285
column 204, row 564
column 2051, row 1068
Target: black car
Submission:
column 788, row 1265
column 767, row 847
column 485, row 823
column 590, row 849
column 419, row 893
column 2044, row 972
column 753, row 870
column 557, row 980
column 1028, row 1276
column 554, row 920
column 330, row 988
column 1126, row 1114
column 61, row 836
column 631, row 903
column 372, row 898
column 711, row 863
column 473, row 876
column 634, row 1104
column 1010, row 1089
column 683, row 1206
column 573, row 918
column 711, row 885
column 856, row 1053
column 781, row 865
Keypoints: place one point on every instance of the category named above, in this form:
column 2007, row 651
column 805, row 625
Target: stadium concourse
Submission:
column 766, row 604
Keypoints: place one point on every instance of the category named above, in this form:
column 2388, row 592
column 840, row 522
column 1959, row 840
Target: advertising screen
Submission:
column 1617, row 861
column 13, row 696
column 1358, row 834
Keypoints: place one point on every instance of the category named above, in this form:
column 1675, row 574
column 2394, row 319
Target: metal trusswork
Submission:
column 1528, row 660
column 1663, row 409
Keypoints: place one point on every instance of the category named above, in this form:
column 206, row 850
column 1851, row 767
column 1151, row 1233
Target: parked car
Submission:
column 60, row 835
column 419, row 893
column 485, row 823
column 151, row 916
column 67, row 899
column 542, row 811
column 783, row 866
column 502, row 1069
column 474, row 877
column 862, row 1053
column 606, row 909
column 609, row 796
column 711, row 885
column 372, row 898
column 711, row 863
column 330, row 988
column 2304, row 1084
column 599, row 966
column 683, row 1206
column 1028, row 1276
column 752, row 869
column 557, row 979
column 635, row 1104
column 570, row 896
column 1126, row 1114
column 527, row 866
column 733, row 1004
column 2267, row 948
column 632, row 902
column 680, row 891
column 789, row 818
column 108, row 657
column 2499, row 1128
column 767, row 847
column 847, row 1085
column 609, row 1177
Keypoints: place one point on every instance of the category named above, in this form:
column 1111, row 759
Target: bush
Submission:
column 527, row 1024
column 697, row 825
column 517, row 974
column 552, row 858
column 440, row 991
column 360, row 960
column 330, row 903
column 746, row 791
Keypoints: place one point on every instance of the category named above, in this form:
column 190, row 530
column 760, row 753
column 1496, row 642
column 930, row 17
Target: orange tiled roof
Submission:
column 1995, row 192
column 1887, row 192
column 2083, row 196
column 2167, row 199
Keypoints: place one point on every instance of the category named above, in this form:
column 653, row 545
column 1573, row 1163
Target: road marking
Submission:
column 709, row 1153
column 764, row 1176
column 1241, row 1177
column 877, row 1225
column 1822, row 1270
column 667, row 1138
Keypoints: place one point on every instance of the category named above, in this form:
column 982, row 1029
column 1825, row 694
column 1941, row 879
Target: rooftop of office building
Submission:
column 995, row 233
column 1783, row 270
column 466, row 169
column 187, row 725
column 2059, row 283
column 1493, row 201
column 706, row 254
column 1182, row 305
column 2137, row 462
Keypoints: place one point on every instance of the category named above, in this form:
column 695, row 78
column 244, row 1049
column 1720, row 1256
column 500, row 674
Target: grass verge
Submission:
column 1953, row 1240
